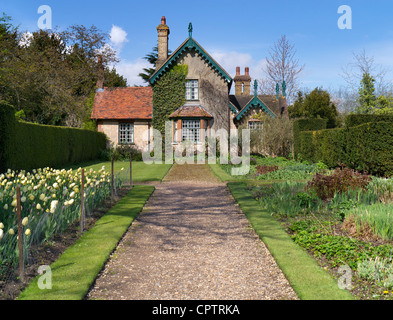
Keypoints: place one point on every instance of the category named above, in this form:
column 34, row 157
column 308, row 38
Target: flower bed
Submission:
column 342, row 220
column 50, row 201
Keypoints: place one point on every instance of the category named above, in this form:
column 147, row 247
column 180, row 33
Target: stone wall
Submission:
column 141, row 132
column 213, row 90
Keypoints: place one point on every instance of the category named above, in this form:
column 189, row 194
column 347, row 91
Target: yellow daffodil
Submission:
column 25, row 221
column 11, row 232
column 27, row 232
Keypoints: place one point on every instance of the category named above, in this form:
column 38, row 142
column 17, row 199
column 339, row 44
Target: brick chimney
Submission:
column 163, row 33
column 242, row 82
column 100, row 74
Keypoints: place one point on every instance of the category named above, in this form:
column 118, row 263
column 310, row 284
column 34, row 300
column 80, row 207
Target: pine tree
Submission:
column 367, row 97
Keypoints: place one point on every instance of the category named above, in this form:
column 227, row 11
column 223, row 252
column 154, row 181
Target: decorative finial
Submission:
column 190, row 30
column 277, row 90
column 255, row 88
column 284, row 89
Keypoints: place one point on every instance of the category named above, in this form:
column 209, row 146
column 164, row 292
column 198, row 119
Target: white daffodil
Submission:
column 53, row 206
column 1, row 234
column 38, row 207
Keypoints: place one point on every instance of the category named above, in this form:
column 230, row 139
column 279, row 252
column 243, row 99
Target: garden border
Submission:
column 76, row 270
column 309, row 281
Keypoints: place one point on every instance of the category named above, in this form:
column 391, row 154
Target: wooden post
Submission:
column 131, row 171
column 20, row 236
column 112, row 186
column 82, row 201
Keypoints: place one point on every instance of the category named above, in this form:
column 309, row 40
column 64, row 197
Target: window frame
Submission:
column 190, row 90
column 191, row 131
column 129, row 139
column 255, row 125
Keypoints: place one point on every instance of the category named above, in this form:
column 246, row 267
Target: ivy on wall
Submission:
column 168, row 95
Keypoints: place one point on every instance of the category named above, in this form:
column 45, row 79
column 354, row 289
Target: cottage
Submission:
column 125, row 114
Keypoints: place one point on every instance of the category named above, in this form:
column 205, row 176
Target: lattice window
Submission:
column 191, row 130
column 126, row 133
column 192, row 90
column 255, row 125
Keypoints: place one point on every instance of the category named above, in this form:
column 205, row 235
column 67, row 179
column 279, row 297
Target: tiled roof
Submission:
column 123, row 103
column 271, row 102
column 190, row 45
column 191, row 111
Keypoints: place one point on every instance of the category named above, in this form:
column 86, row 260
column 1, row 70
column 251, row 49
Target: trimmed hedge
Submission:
column 301, row 125
column 354, row 120
column 370, row 148
column 367, row 147
column 27, row 146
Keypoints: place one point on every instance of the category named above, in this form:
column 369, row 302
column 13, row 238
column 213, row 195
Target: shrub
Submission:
column 265, row 169
column 341, row 180
column 123, row 152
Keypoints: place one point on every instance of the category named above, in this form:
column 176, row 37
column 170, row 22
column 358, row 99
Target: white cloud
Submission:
column 118, row 36
column 131, row 70
column 231, row 59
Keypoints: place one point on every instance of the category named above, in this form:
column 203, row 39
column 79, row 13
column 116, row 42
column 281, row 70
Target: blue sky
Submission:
column 235, row 33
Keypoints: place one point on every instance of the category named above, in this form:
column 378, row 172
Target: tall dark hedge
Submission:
column 353, row 120
column 367, row 147
column 169, row 94
column 28, row 146
column 308, row 124
column 371, row 148
column 7, row 127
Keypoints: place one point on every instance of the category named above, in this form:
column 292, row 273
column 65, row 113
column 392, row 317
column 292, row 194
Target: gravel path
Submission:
column 192, row 242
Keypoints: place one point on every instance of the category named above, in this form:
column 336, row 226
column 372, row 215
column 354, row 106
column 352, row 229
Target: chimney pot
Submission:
column 247, row 70
column 238, row 71
column 163, row 20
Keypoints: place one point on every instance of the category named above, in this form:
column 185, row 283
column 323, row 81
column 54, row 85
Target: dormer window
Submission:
column 192, row 90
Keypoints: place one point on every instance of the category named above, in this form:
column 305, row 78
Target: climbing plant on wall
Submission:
column 168, row 95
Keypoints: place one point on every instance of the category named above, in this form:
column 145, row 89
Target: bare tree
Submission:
column 282, row 65
column 353, row 73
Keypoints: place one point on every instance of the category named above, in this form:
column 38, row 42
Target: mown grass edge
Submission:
column 77, row 268
column 309, row 280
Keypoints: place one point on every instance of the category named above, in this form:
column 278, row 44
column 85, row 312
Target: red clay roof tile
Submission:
column 123, row 103
column 191, row 112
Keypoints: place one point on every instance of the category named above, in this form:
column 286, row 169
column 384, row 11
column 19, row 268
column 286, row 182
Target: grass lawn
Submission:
column 309, row 281
column 75, row 271
column 141, row 172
